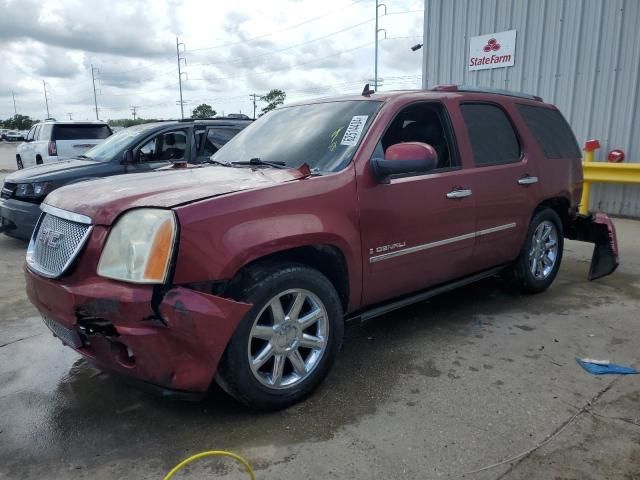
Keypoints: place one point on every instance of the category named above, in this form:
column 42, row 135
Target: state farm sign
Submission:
column 493, row 50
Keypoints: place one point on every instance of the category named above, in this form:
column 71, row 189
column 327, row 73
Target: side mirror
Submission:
column 404, row 158
column 127, row 157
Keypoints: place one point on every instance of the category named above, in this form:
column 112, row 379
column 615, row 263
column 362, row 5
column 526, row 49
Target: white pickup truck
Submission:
column 51, row 141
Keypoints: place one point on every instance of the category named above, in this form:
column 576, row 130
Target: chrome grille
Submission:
column 68, row 336
column 55, row 243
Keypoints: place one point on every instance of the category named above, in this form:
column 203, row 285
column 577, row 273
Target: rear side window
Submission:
column 492, row 136
column 45, row 132
column 551, row 130
column 81, row 132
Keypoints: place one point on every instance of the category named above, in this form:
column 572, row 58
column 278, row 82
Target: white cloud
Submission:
column 232, row 50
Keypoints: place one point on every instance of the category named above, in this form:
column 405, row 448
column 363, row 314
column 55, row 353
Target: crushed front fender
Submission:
column 596, row 228
column 174, row 341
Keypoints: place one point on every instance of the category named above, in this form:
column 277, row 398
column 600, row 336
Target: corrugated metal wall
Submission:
column 581, row 55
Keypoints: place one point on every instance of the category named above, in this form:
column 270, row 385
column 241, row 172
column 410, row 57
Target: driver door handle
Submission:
column 459, row 193
column 527, row 180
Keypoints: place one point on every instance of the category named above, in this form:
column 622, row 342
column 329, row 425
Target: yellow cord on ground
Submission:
column 211, row 453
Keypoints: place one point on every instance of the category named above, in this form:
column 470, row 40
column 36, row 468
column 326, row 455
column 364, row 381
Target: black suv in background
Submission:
column 136, row 149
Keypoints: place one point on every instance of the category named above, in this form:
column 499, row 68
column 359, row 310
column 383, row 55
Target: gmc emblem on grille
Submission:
column 50, row 237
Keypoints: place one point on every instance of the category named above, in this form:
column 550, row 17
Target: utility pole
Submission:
column 178, row 43
column 46, row 100
column 15, row 110
column 70, row 115
column 95, row 98
column 254, row 97
column 133, row 111
column 375, row 77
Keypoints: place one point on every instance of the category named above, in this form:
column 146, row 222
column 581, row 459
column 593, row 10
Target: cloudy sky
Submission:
column 232, row 48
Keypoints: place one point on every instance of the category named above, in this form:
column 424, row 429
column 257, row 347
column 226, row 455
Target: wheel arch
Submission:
column 326, row 258
column 560, row 205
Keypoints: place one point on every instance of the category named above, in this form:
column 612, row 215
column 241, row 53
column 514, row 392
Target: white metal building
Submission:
column 582, row 55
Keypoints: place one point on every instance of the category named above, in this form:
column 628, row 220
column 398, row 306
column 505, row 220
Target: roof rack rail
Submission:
column 474, row 89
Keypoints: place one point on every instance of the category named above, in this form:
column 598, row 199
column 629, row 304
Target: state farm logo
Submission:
column 492, row 50
column 492, row 60
column 492, row 44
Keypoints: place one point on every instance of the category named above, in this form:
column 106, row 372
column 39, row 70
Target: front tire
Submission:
column 539, row 260
column 287, row 342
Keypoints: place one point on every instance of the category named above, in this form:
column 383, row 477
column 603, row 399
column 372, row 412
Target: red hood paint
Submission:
column 104, row 199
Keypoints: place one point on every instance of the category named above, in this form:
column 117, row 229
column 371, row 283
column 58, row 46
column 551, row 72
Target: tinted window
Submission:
column 81, row 132
column 169, row 146
column 116, row 144
column 493, row 139
column 45, row 132
column 216, row 138
column 551, row 131
column 325, row 136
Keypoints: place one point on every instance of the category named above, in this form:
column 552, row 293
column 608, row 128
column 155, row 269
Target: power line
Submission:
column 133, row 110
column 316, row 60
column 273, row 52
column 274, row 32
column 226, row 62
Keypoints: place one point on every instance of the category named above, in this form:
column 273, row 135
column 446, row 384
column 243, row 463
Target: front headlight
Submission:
column 32, row 190
column 140, row 246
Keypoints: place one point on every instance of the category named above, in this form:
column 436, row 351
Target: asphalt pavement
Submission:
column 7, row 156
column 467, row 385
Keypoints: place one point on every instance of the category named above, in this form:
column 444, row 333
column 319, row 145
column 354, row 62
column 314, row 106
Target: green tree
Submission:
column 203, row 111
column 274, row 99
column 19, row 122
column 129, row 122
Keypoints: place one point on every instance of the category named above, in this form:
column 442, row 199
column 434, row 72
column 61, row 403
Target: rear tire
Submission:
column 539, row 260
column 287, row 342
column 19, row 162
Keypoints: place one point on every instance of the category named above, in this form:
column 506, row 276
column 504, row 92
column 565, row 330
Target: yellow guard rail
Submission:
column 604, row 172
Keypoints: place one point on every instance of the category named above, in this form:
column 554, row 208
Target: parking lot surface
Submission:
column 438, row 390
column 7, row 157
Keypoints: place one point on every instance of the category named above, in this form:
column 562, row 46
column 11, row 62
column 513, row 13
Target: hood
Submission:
column 50, row 172
column 104, row 199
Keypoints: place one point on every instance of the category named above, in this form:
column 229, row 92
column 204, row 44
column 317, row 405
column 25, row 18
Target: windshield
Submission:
column 322, row 135
column 105, row 151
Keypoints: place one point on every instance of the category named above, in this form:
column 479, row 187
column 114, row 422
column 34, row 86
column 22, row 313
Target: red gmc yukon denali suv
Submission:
column 244, row 271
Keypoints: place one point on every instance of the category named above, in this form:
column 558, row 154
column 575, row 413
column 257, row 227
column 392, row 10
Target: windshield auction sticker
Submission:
column 354, row 130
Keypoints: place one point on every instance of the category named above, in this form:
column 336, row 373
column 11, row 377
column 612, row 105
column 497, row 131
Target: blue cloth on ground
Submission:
column 597, row 369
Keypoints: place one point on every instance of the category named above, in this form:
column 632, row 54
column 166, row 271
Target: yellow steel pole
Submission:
column 590, row 147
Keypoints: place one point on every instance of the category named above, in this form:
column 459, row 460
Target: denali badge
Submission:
column 387, row 248
column 50, row 237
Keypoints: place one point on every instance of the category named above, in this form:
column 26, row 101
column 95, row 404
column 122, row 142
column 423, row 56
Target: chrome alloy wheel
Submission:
column 544, row 250
column 288, row 338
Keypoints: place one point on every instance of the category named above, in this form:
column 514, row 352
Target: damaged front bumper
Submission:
column 596, row 228
column 174, row 342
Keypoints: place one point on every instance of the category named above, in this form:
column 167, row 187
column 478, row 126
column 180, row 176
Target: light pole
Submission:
column 95, row 98
column 375, row 73
column 46, row 100
column 180, row 72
